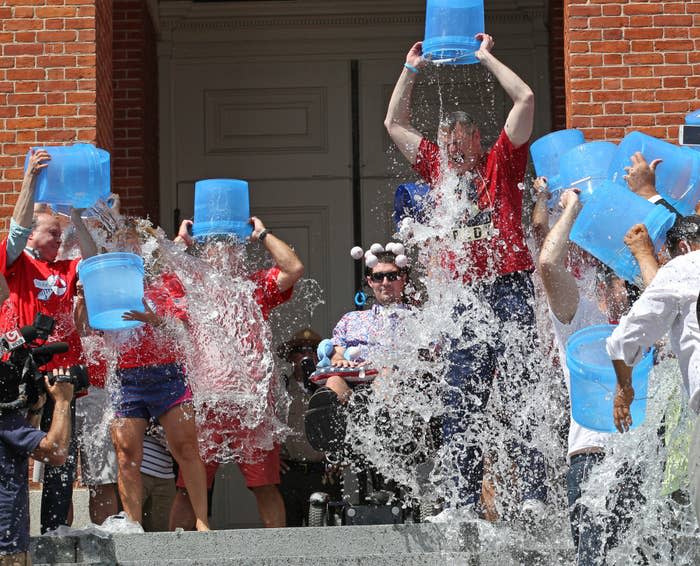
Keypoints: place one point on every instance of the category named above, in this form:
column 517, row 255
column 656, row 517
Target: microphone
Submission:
column 14, row 339
column 50, row 349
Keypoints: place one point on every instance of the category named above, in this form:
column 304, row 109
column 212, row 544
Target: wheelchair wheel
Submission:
column 318, row 510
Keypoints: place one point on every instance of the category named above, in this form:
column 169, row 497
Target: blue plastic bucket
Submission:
column 77, row 176
column 586, row 166
column 593, row 380
column 546, row 155
column 450, row 27
column 606, row 217
column 677, row 178
column 221, row 207
column 113, row 284
column 409, row 200
column 693, row 118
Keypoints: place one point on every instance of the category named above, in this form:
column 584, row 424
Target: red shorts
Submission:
column 264, row 471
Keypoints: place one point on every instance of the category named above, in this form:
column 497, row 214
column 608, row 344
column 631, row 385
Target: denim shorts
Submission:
column 150, row 391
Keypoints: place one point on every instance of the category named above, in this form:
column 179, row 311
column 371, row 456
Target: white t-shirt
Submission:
column 587, row 314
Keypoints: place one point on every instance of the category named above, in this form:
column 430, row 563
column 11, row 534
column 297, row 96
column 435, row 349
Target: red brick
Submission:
column 674, row 45
column 643, row 33
column 655, row 7
column 673, row 21
column 643, row 58
column 675, row 94
column 610, row 47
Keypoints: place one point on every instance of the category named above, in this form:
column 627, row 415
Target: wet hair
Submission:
column 386, row 257
column 450, row 121
column 685, row 229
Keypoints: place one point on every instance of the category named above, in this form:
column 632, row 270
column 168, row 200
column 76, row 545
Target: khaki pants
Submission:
column 19, row 559
column 694, row 468
column 158, row 495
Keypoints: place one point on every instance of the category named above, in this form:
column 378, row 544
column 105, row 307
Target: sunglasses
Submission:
column 390, row 275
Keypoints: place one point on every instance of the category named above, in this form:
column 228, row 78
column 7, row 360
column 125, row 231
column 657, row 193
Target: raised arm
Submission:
column 289, row 264
column 88, row 247
column 23, row 212
column 521, row 117
column 398, row 116
column 540, row 214
column 638, row 241
column 559, row 284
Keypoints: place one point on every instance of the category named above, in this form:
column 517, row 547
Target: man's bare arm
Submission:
column 398, row 116
column 288, row 262
column 53, row 448
column 559, row 284
column 521, row 117
column 23, row 212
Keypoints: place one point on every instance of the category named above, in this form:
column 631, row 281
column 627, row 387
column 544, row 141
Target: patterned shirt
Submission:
column 372, row 330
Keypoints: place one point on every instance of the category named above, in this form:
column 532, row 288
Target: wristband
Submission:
column 411, row 68
column 263, row 235
column 35, row 412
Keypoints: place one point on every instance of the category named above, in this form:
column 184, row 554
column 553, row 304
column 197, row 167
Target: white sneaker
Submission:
column 533, row 511
column 454, row 515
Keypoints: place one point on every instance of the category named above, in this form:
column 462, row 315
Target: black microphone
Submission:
column 50, row 349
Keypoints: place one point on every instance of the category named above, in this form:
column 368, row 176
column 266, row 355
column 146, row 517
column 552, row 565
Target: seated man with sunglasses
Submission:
column 369, row 331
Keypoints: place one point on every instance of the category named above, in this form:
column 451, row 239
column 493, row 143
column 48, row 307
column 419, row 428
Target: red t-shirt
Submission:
column 40, row 287
column 496, row 178
column 166, row 296
column 267, row 293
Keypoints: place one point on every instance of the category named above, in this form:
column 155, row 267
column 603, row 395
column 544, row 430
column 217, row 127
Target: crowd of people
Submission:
column 154, row 459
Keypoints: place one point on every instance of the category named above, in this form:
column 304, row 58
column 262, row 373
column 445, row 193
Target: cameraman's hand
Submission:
column 60, row 391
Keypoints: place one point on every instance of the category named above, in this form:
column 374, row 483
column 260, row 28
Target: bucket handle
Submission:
column 610, row 391
column 450, row 59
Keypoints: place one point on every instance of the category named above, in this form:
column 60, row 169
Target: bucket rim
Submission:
column 124, row 258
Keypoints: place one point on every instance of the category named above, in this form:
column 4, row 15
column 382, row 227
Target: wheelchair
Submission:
column 367, row 497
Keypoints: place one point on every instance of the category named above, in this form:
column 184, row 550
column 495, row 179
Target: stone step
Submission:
column 257, row 544
column 463, row 544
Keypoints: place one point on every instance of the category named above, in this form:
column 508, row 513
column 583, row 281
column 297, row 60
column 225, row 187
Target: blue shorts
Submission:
column 150, row 391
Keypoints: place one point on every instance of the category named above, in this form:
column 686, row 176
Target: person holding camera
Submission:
column 18, row 441
column 39, row 283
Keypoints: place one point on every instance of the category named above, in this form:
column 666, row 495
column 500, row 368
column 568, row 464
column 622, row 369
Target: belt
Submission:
column 597, row 456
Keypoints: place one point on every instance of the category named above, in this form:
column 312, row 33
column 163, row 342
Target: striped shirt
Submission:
column 157, row 461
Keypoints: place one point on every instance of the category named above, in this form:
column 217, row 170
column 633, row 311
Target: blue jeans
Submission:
column 57, row 491
column 595, row 536
column 473, row 363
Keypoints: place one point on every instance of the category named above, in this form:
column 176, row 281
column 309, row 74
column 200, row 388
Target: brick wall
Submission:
column 47, row 82
column 631, row 65
column 103, row 70
column 556, row 64
column 135, row 156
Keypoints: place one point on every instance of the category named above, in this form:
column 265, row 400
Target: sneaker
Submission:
column 533, row 511
column 454, row 515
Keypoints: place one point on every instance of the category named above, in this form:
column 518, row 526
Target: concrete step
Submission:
column 461, row 544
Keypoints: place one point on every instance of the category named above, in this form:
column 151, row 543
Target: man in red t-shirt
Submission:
column 39, row 283
column 273, row 287
column 494, row 260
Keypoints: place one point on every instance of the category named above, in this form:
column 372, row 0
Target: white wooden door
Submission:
column 285, row 128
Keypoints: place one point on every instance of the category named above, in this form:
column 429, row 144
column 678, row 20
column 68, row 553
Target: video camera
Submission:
column 21, row 381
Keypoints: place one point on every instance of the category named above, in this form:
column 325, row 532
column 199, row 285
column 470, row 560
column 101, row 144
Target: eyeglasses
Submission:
column 390, row 275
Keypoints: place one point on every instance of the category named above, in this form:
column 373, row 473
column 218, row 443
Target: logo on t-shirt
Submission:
column 54, row 284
